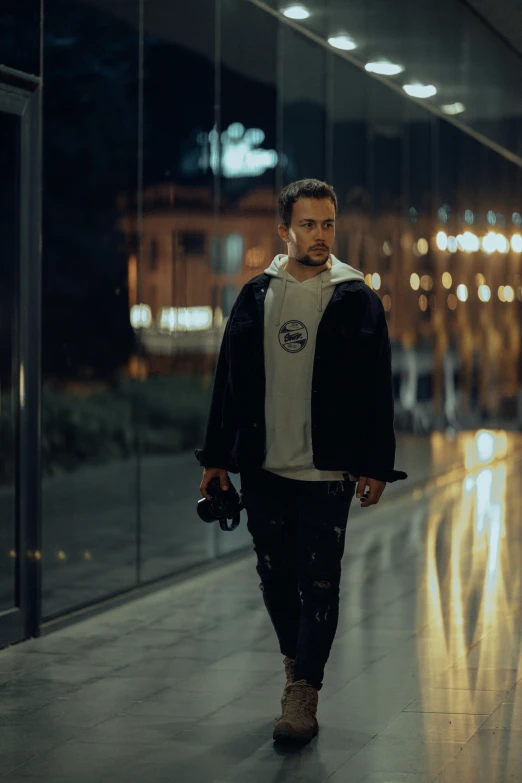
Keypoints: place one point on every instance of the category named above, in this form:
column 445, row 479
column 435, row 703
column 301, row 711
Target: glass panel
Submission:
column 89, row 357
column 248, row 204
column 303, row 92
column 9, row 265
column 179, row 341
column 20, row 34
column 443, row 44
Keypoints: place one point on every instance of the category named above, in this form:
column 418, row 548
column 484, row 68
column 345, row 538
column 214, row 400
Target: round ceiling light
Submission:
column 296, row 11
column 420, row 90
column 384, row 68
column 343, row 42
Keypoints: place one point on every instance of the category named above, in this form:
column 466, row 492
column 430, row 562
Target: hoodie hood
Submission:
column 336, row 272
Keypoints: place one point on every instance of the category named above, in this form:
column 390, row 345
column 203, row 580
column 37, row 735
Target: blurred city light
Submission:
column 502, row 243
column 516, row 243
column 484, row 293
column 423, row 303
column 447, row 280
column 489, row 242
column 426, row 282
column 419, row 90
column 452, row 301
column 423, row 246
column 453, row 108
column 384, row 68
column 387, row 248
column 462, row 292
column 141, row 316
column 376, row 281
column 471, row 243
column 343, row 42
column 296, row 11
column 415, row 281
column 479, row 279
column 442, row 241
column 509, row 293
column 452, row 244
column 386, row 300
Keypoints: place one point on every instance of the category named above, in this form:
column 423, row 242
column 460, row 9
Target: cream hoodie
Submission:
column 293, row 311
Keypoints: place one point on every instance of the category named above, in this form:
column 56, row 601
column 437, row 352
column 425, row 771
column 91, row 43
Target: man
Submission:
column 302, row 407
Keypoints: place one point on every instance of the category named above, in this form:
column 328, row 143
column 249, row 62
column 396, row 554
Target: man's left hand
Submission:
column 376, row 488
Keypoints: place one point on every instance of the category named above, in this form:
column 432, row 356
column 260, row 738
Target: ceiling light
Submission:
column 384, row 68
column 420, row 90
column 296, row 11
column 342, row 42
column 453, row 108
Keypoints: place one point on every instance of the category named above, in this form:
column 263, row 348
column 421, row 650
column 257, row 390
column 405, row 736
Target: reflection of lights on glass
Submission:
column 387, row 248
column 386, row 301
column 422, row 246
column 479, row 279
column 452, row 244
column 516, row 243
column 171, row 319
column 442, row 240
column 415, row 281
column 462, row 292
column 376, row 281
column 342, row 42
column 489, row 242
column 485, row 443
column 484, row 293
column 426, row 282
column 453, row 108
column 502, row 243
column 491, row 217
column 447, row 280
column 452, row 301
column 469, row 217
column 296, row 11
column 423, row 303
column 509, row 293
column 141, row 316
column 384, row 68
column 419, row 90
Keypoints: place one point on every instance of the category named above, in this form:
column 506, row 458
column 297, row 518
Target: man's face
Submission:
column 312, row 231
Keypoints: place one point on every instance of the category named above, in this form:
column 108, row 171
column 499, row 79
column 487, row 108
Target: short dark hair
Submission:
column 303, row 188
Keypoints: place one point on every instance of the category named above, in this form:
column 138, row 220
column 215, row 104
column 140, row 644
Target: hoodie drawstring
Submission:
column 319, row 293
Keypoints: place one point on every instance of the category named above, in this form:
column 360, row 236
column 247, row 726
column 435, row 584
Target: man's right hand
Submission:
column 208, row 475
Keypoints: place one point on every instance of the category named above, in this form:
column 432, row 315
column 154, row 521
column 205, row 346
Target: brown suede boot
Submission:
column 298, row 722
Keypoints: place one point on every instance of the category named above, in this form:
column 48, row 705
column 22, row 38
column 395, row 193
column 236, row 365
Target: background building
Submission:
column 144, row 144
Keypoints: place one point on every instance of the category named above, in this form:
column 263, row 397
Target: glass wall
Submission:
column 169, row 130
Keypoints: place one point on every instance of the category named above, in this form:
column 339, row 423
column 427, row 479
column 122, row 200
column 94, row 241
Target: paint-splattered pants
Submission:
column 298, row 529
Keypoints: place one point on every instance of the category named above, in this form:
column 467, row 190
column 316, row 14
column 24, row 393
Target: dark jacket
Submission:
column 352, row 405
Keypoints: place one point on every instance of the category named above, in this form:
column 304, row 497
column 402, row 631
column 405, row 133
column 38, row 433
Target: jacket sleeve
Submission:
column 215, row 453
column 381, row 441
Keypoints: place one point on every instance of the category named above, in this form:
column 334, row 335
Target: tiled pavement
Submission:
column 184, row 684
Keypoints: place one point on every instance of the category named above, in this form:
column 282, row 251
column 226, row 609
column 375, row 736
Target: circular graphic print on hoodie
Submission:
column 293, row 336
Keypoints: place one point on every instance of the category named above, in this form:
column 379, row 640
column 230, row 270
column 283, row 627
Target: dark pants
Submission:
column 298, row 529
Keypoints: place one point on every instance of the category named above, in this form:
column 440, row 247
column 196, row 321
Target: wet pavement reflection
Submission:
column 422, row 683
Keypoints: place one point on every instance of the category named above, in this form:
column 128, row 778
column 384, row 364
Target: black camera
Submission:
column 224, row 504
